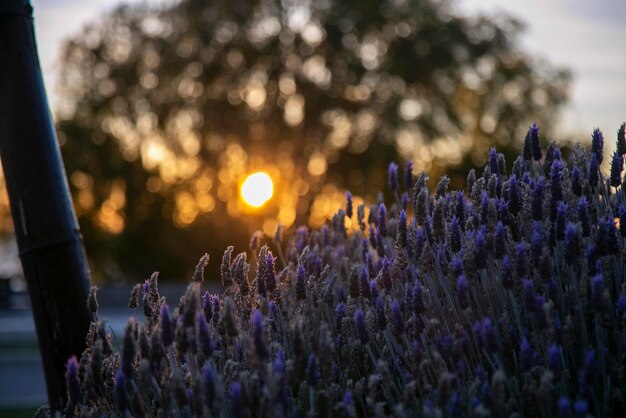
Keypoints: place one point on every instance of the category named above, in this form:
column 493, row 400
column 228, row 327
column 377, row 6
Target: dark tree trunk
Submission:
column 45, row 224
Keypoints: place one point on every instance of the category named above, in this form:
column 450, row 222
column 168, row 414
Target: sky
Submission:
column 586, row 36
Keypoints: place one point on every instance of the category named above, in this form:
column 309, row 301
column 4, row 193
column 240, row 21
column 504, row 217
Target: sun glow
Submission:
column 257, row 189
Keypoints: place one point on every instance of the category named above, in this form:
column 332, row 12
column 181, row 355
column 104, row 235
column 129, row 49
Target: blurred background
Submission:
column 165, row 108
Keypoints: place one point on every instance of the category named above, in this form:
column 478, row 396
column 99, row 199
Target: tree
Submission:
column 165, row 110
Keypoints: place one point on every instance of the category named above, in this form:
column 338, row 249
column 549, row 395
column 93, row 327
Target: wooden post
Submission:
column 48, row 237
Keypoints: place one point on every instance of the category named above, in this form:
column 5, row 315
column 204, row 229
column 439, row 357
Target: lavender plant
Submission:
column 507, row 298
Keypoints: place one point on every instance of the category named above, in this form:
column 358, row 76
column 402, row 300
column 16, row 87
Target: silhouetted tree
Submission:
column 166, row 110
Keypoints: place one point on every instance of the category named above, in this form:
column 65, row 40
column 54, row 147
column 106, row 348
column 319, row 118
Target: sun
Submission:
column 257, row 189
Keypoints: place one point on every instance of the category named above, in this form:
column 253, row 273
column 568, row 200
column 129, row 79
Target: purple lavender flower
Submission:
column 456, row 235
column 480, row 248
column 210, row 388
column 408, row 175
column 269, row 272
column 340, row 311
column 361, row 328
column 554, row 360
column 418, row 299
column 563, row 408
column 300, row 283
column 360, row 212
column 347, row 404
column 380, row 246
column 536, row 205
column 198, row 275
column 393, row 176
column 236, row 401
column 349, row 204
column 341, row 293
column 521, row 259
column 577, row 187
column 588, row 372
column 92, row 300
column 477, row 331
column 129, row 350
column 261, row 286
column 526, row 356
column 456, row 266
column 528, row 292
column 312, row 373
column 405, row 200
column 488, row 336
column 419, row 242
column 493, row 161
column 372, row 236
column 583, row 216
column 514, row 196
column 607, row 238
column 258, row 335
column 536, row 243
column 484, row 212
column 420, row 203
column 597, row 145
column 561, row 220
column 580, row 409
column 382, row 220
column 439, row 220
column 72, row 381
column 528, row 148
column 460, row 208
column 499, row 250
column 364, row 284
column 397, row 321
column 461, row 292
column 621, row 139
column 166, row 326
column 120, row 395
column 402, row 229
column 556, row 188
column 617, row 164
column 572, row 243
column 216, row 309
column 533, row 132
column 204, row 339
column 386, row 275
column 372, row 270
column 373, row 289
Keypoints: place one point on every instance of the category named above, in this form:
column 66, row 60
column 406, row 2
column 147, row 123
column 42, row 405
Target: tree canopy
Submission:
column 166, row 110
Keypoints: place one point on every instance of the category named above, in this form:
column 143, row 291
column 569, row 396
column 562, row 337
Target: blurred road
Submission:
column 21, row 375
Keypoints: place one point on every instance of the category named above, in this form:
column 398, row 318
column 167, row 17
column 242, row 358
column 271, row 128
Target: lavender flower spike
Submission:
column 349, row 205
column 73, row 381
column 312, row 374
column 617, row 165
column 533, row 132
column 258, row 335
column 393, row 177
column 597, row 145
column 167, row 327
column 361, row 328
column 408, row 175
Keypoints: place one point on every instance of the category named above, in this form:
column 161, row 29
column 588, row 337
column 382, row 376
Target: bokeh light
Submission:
column 257, row 189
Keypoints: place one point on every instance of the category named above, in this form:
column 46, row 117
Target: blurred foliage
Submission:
column 165, row 111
